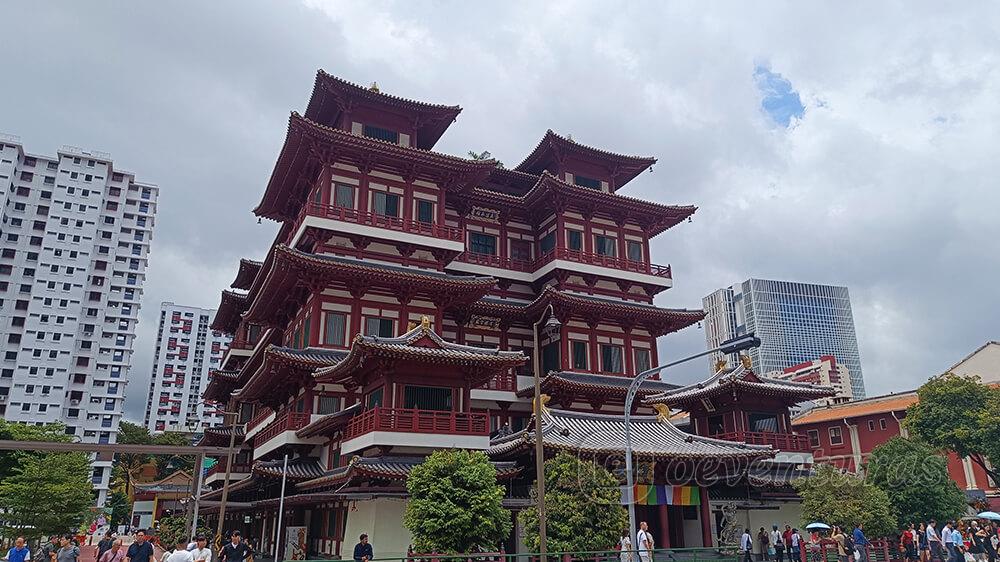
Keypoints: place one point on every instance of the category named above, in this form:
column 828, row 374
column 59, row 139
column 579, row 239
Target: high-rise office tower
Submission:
column 796, row 322
column 74, row 244
column 186, row 350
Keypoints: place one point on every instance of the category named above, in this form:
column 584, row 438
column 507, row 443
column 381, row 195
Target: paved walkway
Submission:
column 88, row 553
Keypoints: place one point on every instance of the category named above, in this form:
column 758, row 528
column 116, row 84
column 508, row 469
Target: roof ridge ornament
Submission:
column 721, row 364
column 544, row 399
column 747, row 362
column 374, row 87
column 425, row 323
column 662, row 413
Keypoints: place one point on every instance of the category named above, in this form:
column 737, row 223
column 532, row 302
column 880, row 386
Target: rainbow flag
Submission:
column 645, row 494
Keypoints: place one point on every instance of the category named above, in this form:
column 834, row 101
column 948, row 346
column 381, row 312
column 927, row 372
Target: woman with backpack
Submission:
column 840, row 538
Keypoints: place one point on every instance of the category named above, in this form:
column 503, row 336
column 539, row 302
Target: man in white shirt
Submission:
column 778, row 543
column 948, row 537
column 201, row 552
column 933, row 541
column 180, row 554
column 644, row 542
column 746, row 545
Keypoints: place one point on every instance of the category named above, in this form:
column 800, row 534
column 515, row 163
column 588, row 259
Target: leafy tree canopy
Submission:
column 583, row 510
column 48, row 493
column 841, row 499
column 175, row 528
column 959, row 414
column 9, row 460
column 915, row 477
column 455, row 504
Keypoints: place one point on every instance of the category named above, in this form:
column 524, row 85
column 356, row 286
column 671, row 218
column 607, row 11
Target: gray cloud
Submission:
column 886, row 185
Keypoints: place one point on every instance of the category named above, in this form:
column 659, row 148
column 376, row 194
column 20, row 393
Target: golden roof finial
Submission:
column 747, row 362
column 425, row 323
column 410, row 326
column 374, row 87
column 662, row 412
column 720, row 364
column 544, row 398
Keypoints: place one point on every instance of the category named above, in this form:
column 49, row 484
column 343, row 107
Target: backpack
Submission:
column 848, row 543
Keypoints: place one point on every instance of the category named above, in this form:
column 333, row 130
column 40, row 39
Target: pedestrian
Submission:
column 363, row 551
column 978, row 537
column 925, row 549
column 787, row 537
column 764, row 539
column 778, row 543
column 796, row 542
column 934, row 540
column 948, row 538
column 140, row 550
column 991, row 542
column 839, row 538
column 68, row 551
column 908, row 544
column 235, row 550
column 180, row 553
column 19, row 552
column 746, row 545
column 48, row 551
column 104, row 544
column 625, row 547
column 114, row 554
column 201, row 552
column 644, row 542
column 860, row 542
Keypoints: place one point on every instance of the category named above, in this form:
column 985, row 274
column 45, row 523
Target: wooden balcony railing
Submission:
column 780, row 441
column 503, row 381
column 258, row 418
column 288, row 421
column 408, row 420
column 238, row 468
column 588, row 258
column 355, row 216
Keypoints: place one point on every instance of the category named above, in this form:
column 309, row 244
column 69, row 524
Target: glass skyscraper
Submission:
column 796, row 322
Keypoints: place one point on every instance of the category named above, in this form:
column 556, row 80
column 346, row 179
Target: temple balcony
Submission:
column 218, row 472
column 281, row 432
column 353, row 222
column 785, row 442
column 405, row 427
column 502, row 386
column 564, row 258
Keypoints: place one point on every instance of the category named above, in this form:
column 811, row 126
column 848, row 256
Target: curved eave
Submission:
column 247, row 273
column 723, row 383
column 306, row 142
column 331, row 93
column 220, row 385
column 227, row 316
column 554, row 147
column 389, row 469
column 284, row 365
column 585, row 384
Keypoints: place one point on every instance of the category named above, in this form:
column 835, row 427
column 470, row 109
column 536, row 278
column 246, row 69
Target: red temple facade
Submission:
column 393, row 315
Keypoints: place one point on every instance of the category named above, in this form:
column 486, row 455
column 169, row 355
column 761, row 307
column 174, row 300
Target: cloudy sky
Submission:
column 845, row 143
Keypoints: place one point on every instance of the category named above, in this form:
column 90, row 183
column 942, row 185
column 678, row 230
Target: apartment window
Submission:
column 574, row 240
column 634, row 250
column 611, row 359
column 483, row 244
column 335, row 329
column 385, row 204
column 642, row 360
column 388, row 135
column 813, row 435
column 604, row 245
column 381, row 327
column 881, row 424
column 547, row 243
column 427, row 398
column 343, row 196
column 589, row 183
column 425, row 211
column 579, row 349
column 836, row 436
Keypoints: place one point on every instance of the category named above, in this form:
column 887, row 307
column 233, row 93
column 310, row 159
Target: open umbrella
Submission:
column 817, row 527
column 991, row 515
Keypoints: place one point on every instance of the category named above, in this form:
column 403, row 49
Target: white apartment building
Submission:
column 74, row 246
column 824, row 371
column 186, row 351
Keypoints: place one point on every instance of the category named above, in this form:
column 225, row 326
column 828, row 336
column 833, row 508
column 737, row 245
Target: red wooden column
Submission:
column 664, row 541
column 706, row 523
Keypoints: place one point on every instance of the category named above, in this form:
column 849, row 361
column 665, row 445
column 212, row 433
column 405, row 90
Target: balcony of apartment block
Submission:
column 783, row 442
column 564, row 258
column 217, row 473
column 410, row 427
column 281, row 431
column 354, row 222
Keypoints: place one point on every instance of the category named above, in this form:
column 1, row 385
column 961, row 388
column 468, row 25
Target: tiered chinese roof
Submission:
column 290, row 274
column 657, row 321
column 553, row 149
column 220, row 436
column 740, row 381
column 220, row 385
column 247, row 273
column 422, row 346
column 299, row 469
column 227, row 316
column 309, row 144
column 602, row 435
column 332, row 97
column 564, row 386
column 386, row 468
column 291, row 367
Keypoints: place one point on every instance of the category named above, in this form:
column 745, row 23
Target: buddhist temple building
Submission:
column 394, row 314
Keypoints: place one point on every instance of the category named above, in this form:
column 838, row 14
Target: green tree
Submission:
column 959, row 414
column 168, row 464
column 456, row 505
column 9, row 460
column 583, row 510
column 120, row 508
column 127, row 466
column 484, row 155
column 842, row 499
column 47, row 494
column 174, row 528
column 915, row 477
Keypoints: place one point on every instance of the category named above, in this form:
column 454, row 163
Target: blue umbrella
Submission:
column 817, row 526
column 991, row 515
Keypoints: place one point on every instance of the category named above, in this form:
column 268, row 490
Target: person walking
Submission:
column 140, row 550
column 68, row 551
column 925, row 549
column 948, row 538
column 838, row 537
column 363, row 551
column 778, row 543
column 787, row 537
column 746, row 546
column 934, row 541
column 860, row 542
column 114, row 554
column 19, row 552
column 907, row 543
column 201, row 552
column 104, row 544
column 764, row 540
column 625, row 547
column 180, row 553
column 644, row 542
column 235, row 550
column 796, row 542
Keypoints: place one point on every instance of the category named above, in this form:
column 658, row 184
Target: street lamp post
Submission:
column 734, row 345
column 552, row 325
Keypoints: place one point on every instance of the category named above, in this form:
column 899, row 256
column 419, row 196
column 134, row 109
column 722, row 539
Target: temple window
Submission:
column 520, row 250
column 327, row 405
column 550, row 357
column 306, row 329
column 716, row 425
column 574, row 240
column 374, row 398
column 611, row 359
column 763, row 423
column 547, row 243
column 634, row 250
column 836, row 436
column 813, row 438
column 580, row 355
column 343, row 195
column 380, row 327
column 642, row 360
column 388, row 135
column 318, row 195
column 484, row 244
column 385, row 204
column 604, row 245
column 589, row 183
column 427, row 398
column 425, row 211
column 334, row 329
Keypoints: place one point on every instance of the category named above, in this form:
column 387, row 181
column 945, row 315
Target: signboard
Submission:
column 485, row 214
column 296, row 544
column 488, row 322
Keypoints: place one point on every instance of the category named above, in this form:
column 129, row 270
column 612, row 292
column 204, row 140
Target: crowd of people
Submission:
column 111, row 549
